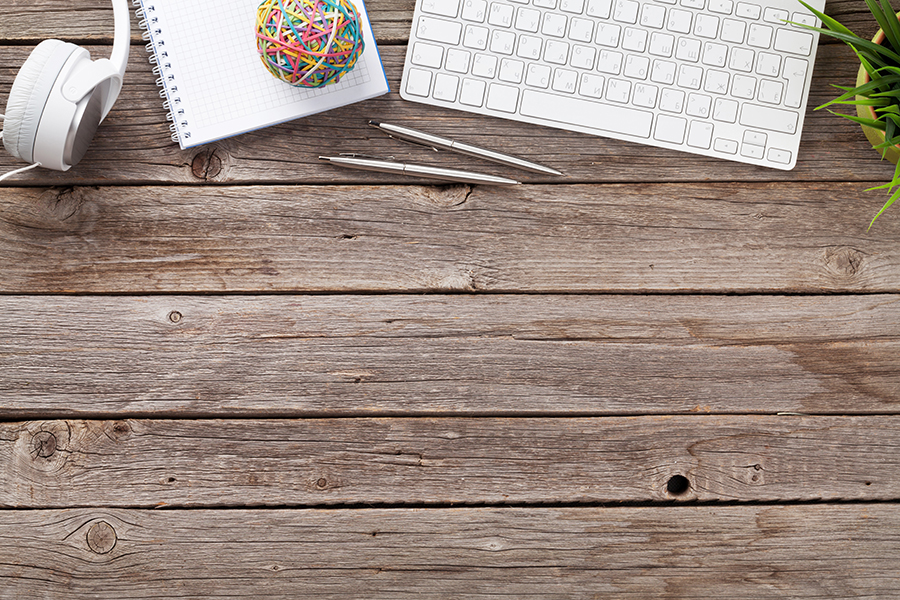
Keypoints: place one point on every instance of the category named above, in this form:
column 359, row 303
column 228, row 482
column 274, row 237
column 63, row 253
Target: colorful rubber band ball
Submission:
column 309, row 43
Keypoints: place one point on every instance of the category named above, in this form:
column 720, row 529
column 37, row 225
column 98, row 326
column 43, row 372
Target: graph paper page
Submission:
column 215, row 84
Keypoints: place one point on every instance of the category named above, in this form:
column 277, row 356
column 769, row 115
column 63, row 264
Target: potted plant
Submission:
column 876, row 94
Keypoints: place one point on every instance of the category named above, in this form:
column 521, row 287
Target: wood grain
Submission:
column 133, row 144
column 152, row 463
column 699, row 552
column 636, row 238
column 457, row 354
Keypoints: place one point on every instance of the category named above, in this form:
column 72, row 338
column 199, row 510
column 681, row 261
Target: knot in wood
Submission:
column 175, row 316
column 101, row 537
column 44, row 444
column 206, row 165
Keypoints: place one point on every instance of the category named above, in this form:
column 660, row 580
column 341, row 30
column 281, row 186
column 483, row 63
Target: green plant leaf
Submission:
column 893, row 23
column 873, row 123
column 886, row 206
column 830, row 23
column 888, row 23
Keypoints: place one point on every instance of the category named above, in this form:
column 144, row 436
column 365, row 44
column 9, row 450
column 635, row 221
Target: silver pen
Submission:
column 437, row 142
column 389, row 166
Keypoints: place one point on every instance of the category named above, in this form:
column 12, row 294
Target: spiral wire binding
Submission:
column 147, row 36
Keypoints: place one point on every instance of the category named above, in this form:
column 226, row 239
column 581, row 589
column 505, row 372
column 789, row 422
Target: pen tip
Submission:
column 374, row 123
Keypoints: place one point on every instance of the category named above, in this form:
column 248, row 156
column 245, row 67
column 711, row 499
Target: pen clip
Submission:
column 370, row 156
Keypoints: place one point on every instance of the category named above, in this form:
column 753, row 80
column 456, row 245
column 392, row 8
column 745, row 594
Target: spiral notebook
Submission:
column 213, row 81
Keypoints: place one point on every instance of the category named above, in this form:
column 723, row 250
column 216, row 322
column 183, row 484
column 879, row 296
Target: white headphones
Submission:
column 61, row 96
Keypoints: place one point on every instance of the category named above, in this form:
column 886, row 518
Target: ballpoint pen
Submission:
column 388, row 166
column 438, row 142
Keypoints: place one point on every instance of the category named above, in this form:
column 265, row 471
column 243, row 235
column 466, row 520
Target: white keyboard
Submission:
column 722, row 78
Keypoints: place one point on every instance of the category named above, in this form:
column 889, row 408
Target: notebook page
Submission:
column 216, row 83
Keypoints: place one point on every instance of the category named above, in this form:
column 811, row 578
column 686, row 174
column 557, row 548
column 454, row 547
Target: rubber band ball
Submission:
column 308, row 43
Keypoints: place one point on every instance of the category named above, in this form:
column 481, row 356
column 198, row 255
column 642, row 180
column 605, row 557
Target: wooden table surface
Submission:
column 232, row 371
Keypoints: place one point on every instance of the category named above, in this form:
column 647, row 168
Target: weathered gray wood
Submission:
column 214, row 463
column 498, row 355
column 700, row 552
column 711, row 238
column 133, row 144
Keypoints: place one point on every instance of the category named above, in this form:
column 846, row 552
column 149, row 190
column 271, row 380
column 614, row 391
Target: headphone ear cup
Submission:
column 29, row 95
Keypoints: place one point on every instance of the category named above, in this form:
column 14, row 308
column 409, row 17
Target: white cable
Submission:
column 17, row 171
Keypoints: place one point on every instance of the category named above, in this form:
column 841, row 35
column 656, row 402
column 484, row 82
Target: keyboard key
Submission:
column 565, row 81
column 795, row 73
column 653, row 16
column 637, row 67
column 723, row 7
column 795, row 42
column 661, row 44
column 502, row 42
column 474, row 10
column 472, row 93
column 690, row 77
column 418, row 82
column 458, row 60
column 599, row 8
column 760, row 36
column 700, row 134
column 511, row 71
column 587, row 113
column 538, row 75
column 554, row 25
column 556, row 52
column 572, row 6
column 439, row 30
column 768, row 64
column 742, row 59
column 644, row 95
column 779, row 156
column 775, row 15
column 725, row 110
column 756, row 138
column 500, row 15
column 670, row 129
column 502, row 97
column 610, row 62
column 706, row 26
column 625, row 11
column 581, row 30
column 733, row 31
column 714, row 54
column 679, row 21
column 591, row 85
column 768, row 118
column 672, row 101
column 716, row 82
column 663, row 72
column 751, row 151
column 618, row 90
column 688, row 49
column 634, row 40
column 445, row 87
column 529, row 47
column 725, row 146
column 485, row 65
column 427, row 55
column 770, row 91
column 608, row 35
column 476, row 37
column 528, row 19
column 743, row 86
column 805, row 18
column 583, row 57
column 698, row 105
column 444, row 8
column 747, row 10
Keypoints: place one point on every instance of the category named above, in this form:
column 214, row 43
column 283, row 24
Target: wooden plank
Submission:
column 133, row 144
column 141, row 463
column 578, row 238
column 92, row 21
column 699, row 552
column 440, row 355
column 35, row 20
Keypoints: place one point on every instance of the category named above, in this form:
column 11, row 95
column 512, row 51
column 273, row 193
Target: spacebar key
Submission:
column 586, row 113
